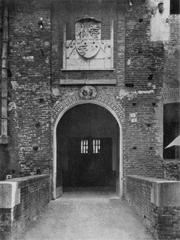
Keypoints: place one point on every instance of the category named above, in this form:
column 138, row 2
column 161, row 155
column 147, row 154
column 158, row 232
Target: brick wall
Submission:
column 141, row 140
column 143, row 80
column 21, row 202
column 144, row 59
column 29, row 88
column 4, row 161
column 35, row 68
column 35, row 62
column 157, row 202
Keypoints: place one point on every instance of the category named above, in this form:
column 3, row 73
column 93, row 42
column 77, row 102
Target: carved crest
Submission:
column 87, row 37
column 87, row 92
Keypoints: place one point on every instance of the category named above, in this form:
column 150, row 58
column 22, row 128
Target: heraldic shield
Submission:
column 87, row 37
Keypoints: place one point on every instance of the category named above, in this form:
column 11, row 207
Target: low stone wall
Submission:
column 21, row 201
column 157, row 201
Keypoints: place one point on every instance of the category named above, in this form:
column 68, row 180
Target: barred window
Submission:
column 96, row 146
column 84, row 146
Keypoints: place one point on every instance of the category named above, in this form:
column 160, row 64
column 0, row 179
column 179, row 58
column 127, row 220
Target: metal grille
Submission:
column 96, row 146
column 84, row 146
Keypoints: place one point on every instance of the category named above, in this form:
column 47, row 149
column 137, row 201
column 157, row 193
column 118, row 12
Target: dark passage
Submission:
column 87, row 149
column 90, row 162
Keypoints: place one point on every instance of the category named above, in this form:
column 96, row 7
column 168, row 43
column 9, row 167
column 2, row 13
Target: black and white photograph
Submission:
column 89, row 119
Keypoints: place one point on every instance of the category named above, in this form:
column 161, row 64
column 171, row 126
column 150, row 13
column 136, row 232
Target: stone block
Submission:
column 9, row 194
column 166, row 193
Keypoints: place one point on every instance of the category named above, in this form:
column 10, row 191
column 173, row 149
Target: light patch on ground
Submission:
column 88, row 218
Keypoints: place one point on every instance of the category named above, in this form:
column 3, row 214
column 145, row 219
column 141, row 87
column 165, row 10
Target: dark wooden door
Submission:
column 90, row 162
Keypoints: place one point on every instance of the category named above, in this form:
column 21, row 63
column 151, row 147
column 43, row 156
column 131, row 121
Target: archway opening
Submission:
column 87, row 150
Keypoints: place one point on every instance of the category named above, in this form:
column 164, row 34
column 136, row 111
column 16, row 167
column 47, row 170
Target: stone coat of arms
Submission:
column 87, row 37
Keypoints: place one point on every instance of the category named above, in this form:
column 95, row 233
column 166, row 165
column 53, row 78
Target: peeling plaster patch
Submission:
column 27, row 87
column 133, row 94
column 46, row 44
column 122, row 93
column 160, row 29
column 133, row 117
column 14, row 84
column 47, row 60
column 12, row 106
column 55, row 91
column 146, row 92
column 28, row 58
column 129, row 62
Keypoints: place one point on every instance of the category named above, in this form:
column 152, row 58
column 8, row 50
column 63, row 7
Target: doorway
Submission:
column 87, row 149
column 90, row 163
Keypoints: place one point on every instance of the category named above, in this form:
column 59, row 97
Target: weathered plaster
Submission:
column 132, row 94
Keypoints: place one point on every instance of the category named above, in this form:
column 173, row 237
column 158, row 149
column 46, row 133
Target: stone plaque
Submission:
column 88, row 51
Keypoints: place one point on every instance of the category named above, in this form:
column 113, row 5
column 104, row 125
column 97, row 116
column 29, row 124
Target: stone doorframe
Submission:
column 61, row 107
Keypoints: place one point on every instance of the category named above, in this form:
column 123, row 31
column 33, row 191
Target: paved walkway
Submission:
column 88, row 217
